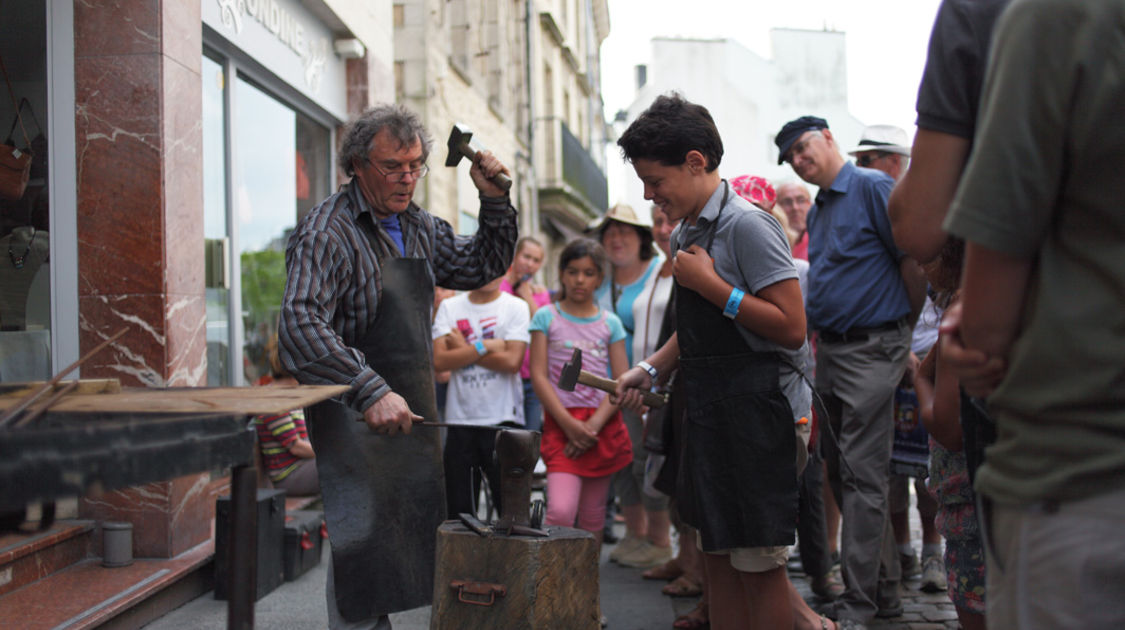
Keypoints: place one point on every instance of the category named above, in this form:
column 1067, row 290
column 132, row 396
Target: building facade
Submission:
column 177, row 144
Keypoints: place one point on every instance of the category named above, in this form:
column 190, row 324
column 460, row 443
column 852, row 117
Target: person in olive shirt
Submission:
column 1041, row 328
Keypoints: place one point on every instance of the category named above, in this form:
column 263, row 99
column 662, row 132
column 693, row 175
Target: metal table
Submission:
column 96, row 442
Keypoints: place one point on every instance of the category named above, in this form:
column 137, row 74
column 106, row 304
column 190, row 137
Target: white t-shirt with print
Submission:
column 478, row 395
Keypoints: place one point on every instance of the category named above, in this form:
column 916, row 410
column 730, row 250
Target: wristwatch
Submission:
column 647, row 367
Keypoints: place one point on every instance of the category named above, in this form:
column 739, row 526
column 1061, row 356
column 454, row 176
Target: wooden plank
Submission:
column 250, row 401
column 85, row 386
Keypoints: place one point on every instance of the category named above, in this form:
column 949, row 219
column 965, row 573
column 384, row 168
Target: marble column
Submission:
column 140, row 230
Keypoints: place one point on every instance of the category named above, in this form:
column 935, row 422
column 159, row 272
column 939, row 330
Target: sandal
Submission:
column 697, row 619
column 668, row 571
column 683, row 586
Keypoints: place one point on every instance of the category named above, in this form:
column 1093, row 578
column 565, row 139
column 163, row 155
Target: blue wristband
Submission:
column 479, row 345
column 733, row 302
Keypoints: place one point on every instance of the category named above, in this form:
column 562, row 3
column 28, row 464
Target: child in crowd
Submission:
column 584, row 438
column 481, row 337
column 939, row 403
column 287, row 454
column 520, row 282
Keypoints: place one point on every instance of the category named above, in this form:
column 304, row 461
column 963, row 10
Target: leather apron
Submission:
column 384, row 496
column 737, row 473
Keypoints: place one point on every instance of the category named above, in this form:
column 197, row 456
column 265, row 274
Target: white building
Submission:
column 750, row 97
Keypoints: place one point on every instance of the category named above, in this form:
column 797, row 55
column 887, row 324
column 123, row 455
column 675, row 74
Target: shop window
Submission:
column 25, row 234
column 280, row 169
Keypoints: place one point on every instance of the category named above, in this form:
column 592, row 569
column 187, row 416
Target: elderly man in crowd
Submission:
column 863, row 296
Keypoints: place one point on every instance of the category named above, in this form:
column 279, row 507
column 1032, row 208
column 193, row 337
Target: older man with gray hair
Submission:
column 362, row 266
column 883, row 148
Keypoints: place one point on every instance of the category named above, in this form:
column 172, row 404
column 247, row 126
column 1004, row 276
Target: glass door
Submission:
column 266, row 164
column 215, row 223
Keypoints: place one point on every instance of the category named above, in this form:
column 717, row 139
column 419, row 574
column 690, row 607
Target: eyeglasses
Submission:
column 799, row 147
column 793, row 201
column 867, row 159
column 396, row 177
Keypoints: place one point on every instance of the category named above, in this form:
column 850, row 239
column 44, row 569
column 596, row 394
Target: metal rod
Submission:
column 32, row 415
column 9, row 417
column 488, row 427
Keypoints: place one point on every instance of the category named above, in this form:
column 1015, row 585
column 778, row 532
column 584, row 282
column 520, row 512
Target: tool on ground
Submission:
column 14, row 412
column 461, row 145
column 572, row 374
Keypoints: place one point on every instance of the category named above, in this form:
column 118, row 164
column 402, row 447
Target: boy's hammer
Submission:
column 572, row 374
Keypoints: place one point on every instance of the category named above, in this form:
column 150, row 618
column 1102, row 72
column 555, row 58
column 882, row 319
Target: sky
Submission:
column 886, row 43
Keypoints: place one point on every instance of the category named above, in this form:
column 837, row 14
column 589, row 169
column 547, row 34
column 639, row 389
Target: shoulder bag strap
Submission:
column 24, row 101
column 15, row 104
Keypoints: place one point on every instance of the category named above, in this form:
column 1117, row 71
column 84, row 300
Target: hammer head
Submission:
column 458, row 144
column 568, row 377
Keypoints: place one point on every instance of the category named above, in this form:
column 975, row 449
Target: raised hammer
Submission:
column 572, row 374
column 461, row 145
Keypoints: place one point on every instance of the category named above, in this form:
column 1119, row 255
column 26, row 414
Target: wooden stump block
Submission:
column 546, row 583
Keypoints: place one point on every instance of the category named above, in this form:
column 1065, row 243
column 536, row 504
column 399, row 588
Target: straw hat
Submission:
column 622, row 213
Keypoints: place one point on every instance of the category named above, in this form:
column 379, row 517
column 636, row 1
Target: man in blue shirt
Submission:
column 863, row 296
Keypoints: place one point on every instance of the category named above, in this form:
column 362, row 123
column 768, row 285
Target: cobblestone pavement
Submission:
column 628, row 602
column 921, row 611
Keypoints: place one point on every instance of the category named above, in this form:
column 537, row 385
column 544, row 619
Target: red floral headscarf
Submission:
column 756, row 190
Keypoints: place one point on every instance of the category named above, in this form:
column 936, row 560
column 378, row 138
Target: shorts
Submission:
column 751, row 559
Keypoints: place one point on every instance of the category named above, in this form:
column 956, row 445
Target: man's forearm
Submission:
column 993, row 288
column 919, row 203
column 915, row 282
column 471, row 262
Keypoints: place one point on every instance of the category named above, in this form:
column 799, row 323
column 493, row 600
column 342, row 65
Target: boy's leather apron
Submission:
column 738, row 473
column 384, row 497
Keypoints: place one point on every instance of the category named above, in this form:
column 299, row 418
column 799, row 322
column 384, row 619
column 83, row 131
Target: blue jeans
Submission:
column 532, row 410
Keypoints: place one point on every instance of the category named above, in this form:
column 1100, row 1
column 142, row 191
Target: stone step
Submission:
column 88, row 595
column 28, row 558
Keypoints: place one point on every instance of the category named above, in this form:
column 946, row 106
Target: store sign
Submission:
column 283, row 36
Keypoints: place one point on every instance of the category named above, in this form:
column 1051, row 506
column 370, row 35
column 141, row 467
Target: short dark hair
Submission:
column 404, row 125
column 670, row 128
column 581, row 247
column 646, row 237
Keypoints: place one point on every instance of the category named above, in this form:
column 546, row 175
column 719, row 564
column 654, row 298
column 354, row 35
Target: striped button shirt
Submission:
column 332, row 291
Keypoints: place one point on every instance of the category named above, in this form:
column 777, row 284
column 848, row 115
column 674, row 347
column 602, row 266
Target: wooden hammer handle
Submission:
column 651, row 399
column 502, row 180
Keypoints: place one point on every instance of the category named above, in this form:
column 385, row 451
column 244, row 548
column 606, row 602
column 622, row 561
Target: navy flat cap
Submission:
column 795, row 129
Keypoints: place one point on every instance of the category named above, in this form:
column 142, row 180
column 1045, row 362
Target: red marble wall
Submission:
column 140, row 229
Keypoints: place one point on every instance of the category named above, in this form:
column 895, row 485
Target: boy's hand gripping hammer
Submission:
column 572, row 374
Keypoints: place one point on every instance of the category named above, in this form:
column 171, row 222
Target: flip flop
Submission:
column 697, row 619
column 668, row 571
column 683, row 586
